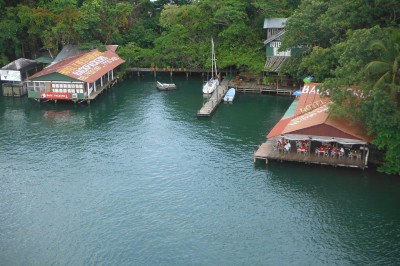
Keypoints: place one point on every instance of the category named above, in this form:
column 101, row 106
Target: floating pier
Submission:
column 212, row 103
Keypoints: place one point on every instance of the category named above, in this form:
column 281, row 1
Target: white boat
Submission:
column 166, row 86
column 230, row 95
column 211, row 85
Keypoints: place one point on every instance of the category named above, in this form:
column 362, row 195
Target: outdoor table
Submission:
column 356, row 155
column 335, row 152
column 321, row 151
column 302, row 150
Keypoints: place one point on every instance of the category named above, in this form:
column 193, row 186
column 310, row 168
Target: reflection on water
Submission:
column 135, row 178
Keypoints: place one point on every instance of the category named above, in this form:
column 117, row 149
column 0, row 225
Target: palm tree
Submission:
column 387, row 68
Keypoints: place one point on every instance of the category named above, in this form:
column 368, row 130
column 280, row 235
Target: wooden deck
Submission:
column 266, row 152
column 212, row 103
column 107, row 85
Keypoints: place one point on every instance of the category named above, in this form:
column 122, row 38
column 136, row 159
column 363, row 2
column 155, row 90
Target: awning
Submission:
column 323, row 139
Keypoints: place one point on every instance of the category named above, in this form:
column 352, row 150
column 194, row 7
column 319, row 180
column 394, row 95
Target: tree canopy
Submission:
column 353, row 44
column 165, row 33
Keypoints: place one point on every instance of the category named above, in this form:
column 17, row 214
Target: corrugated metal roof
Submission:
column 274, row 37
column 271, row 23
column 112, row 47
column 311, row 118
column 274, row 63
column 54, row 67
column 20, row 64
column 279, row 127
column 87, row 67
column 45, row 60
column 55, row 77
column 292, row 109
column 67, row 51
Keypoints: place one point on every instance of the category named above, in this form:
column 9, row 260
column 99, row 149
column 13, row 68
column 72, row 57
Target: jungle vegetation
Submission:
column 344, row 43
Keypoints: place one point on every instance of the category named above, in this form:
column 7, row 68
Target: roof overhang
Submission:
column 344, row 141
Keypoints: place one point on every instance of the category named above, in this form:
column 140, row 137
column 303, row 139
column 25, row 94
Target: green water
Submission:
column 135, row 178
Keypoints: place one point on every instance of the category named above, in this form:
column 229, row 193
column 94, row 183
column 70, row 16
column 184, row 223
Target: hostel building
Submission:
column 78, row 78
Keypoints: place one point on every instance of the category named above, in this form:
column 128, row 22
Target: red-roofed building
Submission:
column 76, row 78
column 311, row 119
column 308, row 126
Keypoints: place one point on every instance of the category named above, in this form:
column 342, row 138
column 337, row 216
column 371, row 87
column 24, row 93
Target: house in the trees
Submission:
column 75, row 78
column 275, row 29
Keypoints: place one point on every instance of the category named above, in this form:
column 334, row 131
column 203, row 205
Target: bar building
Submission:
column 314, row 136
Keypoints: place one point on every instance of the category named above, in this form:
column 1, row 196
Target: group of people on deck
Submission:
column 327, row 149
column 283, row 144
column 336, row 151
column 303, row 146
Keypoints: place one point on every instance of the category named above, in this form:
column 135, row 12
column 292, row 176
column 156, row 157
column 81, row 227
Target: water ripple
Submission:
column 136, row 178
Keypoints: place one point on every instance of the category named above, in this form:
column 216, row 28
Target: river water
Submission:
column 135, row 178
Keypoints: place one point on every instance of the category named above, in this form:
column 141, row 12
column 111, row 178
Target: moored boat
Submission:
column 230, row 95
column 166, row 86
column 211, row 85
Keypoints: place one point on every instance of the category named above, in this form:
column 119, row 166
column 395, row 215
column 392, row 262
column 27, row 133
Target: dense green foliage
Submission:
column 354, row 44
column 344, row 43
column 150, row 33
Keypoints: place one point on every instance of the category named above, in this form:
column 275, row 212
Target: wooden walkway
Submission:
column 212, row 103
column 107, row 85
column 253, row 87
column 159, row 69
column 155, row 70
column 266, row 152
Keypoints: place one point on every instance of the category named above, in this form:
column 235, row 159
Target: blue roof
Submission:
column 292, row 109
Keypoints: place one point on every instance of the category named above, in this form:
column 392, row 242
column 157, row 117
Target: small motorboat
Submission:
column 230, row 95
column 166, row 86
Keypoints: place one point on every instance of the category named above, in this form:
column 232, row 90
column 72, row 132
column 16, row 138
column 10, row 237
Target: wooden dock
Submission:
column 212, row 103
column 266, row 152
column 253, row 87
column 171, row 71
